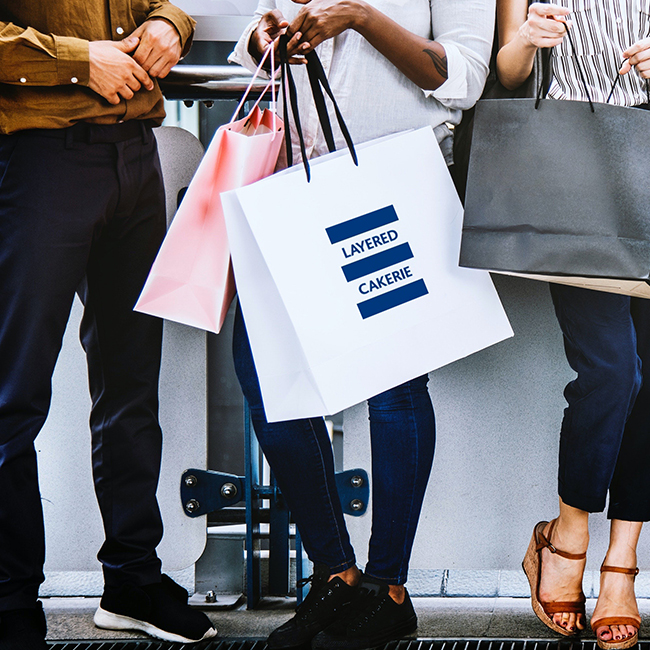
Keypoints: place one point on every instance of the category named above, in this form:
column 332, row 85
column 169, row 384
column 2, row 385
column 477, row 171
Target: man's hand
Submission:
column 271, row 26
column 160, row 47
column 113, row 73
column 545, row 25
column 638, row 56
column 320, row 20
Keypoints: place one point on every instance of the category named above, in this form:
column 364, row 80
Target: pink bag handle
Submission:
column 270, row 50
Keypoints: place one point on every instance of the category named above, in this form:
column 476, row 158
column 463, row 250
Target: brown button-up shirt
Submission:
column 44, row 64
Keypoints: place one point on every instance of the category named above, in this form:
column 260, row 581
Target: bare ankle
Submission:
column 350, row 576
column 397, row 593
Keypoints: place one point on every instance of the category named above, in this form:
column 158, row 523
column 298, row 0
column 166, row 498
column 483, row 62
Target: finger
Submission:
column 159, row 66
column 313, row 38
column 141, row 55
column 548, row 9
column 275, row 18
column 128, row 44
column 643, row 44
column 143, row 77
column 625, row 68
column 295, row 46
column 126, row 92
column 112, row 99
column 133, row 84
column 166, row 70
column 138, row 31
column 639, row 57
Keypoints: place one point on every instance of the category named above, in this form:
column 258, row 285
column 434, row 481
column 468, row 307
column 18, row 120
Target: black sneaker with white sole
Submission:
column 325, row 602
column 23, row 629
column 159, row 610
column 373, row 619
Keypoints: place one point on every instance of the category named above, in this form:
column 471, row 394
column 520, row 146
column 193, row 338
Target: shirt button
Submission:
column 23, row 80
column 74, row 80
column 120, row 31
column 619, row 21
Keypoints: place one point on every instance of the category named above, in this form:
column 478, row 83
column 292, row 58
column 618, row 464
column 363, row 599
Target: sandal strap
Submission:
column 619, row 569
column 558, row 607
column 544, row 542
column 608, row 621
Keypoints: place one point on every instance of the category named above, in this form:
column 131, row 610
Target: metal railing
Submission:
column 206, row 83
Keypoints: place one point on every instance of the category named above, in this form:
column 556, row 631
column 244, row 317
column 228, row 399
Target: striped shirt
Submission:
column 602, row 30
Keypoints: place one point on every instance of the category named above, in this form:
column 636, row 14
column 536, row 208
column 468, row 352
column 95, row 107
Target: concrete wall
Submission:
column 498, row 416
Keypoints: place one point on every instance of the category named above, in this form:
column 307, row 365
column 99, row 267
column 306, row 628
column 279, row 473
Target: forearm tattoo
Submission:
column 440, row 62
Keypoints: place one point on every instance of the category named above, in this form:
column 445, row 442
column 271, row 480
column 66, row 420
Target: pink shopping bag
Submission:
column 191, row 280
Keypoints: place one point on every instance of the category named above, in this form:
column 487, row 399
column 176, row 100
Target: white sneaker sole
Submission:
column 109, row 621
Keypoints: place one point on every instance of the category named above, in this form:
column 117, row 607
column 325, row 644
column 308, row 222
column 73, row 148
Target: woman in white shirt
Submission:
column 605, row 435
column 393, row 65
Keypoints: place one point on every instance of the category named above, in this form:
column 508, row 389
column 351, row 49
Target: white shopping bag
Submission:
column 350, row 284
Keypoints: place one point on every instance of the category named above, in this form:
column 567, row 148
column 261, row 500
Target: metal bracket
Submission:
column 354, row 491
column 204, row 491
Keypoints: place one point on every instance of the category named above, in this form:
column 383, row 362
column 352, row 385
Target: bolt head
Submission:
column 356, row 481
column 191, row 480
column 211, row 597
column 192, row 506
column 229, row 490
column 356, row 505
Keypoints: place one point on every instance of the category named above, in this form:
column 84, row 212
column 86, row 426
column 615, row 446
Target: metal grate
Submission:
column 410, row 644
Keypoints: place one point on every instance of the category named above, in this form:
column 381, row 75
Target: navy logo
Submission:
column 389, row 252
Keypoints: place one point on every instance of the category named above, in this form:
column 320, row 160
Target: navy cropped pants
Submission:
column 605, row 435
column 80, row 209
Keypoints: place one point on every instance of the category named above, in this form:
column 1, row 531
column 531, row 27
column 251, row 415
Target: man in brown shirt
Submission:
column 82, row 208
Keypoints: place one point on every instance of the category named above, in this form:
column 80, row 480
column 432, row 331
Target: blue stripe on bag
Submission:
column 376, row 262
column 359, row 225
column 392, row 299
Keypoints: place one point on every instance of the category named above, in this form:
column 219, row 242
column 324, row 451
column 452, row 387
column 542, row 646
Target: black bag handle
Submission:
column 543, row 89
column 318, row 81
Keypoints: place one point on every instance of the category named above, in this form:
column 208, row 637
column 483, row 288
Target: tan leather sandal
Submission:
column 608, row 621
column 532, row 565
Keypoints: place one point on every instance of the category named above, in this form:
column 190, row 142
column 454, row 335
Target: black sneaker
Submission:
column 325, row 602
column 159, row 610
column 373, row 619
column 23, row 629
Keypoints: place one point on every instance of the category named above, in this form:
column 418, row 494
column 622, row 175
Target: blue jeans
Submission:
column 605, row 436
column 402, row 429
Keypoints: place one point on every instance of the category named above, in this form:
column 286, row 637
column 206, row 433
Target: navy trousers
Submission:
column 82, row 209
column 605, row 436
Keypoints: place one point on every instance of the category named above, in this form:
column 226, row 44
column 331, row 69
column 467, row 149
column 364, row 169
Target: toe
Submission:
column 580, row 622
column 604, row 633
column 565, row 620
column 631, row 630
column 616, row 632
column 571, row 622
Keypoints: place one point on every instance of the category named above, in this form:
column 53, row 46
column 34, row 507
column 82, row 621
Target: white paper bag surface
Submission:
column 350, row 284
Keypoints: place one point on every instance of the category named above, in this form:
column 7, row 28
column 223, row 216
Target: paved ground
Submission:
column 501, row 618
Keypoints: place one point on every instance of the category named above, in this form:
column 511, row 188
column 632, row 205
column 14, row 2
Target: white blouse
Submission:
column 375, row 98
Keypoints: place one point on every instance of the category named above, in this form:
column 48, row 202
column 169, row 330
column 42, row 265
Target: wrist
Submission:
column 523, row 40
column 362, row 16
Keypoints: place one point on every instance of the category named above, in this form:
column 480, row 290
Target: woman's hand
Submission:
column 271, row 26
column 320, row 20
column 544, row 26
column 638, row 56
